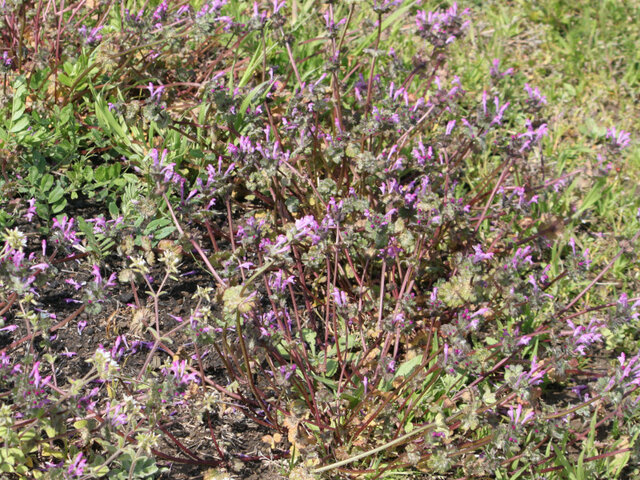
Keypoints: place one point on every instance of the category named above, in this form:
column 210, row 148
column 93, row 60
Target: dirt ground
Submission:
column 246, row 454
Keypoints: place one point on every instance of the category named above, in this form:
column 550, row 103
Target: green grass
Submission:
column 583, row 56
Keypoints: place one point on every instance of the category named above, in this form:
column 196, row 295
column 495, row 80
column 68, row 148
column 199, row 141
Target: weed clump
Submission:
column 384, row 272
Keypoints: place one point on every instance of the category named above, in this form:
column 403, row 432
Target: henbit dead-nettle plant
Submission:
column 390, row 286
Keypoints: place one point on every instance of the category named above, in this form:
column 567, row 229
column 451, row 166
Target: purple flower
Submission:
column 536, row 99
column 495, row 69
column 441, row 28
column 392, row 249
column 536, row 372
column 90, row 37
column 74, row 284
column 37, row 378
column 99, row 224
column 479, row 256
column 532, row 136
column 39, row 267
column 161, row 11
column 76, row 468
column 484, row 104
column 277, row 6
column 96, row 272
column 213, row 7
column 81, row 326
column 578, row 389
column 156, row 93
column 6, row 60
column 497, row 119
column 450, row 126
column 182, row 10
column 628, row 373
column 329, row 22
column 31, row 211
column 5, row 359
column 114, row 416
column 516, row 417
column 421, row 155
column 384, row 6
column 307, row 227
column 628, row 310
column 280, row 247
column 178, row 370
column 65, row 225
column 583, row 336
column 619, row 140
column 340, row 297
column 111, row 281
column 521, row 257
column 287, row 371
column 279, row 283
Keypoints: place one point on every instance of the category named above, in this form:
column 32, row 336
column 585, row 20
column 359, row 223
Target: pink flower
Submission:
column 31, row 211
column 156, row 92
column 516, row 416
column 76, row 469
column 339, row 297
column 37, row 378
column 618, row 139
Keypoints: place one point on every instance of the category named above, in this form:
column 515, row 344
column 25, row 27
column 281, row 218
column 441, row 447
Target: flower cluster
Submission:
column 442, row 28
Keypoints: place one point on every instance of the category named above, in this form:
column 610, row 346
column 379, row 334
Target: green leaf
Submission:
column 309, row 336
column 86, row 229
column 42, row 210
column 56, row 194
column 164, row 232
column 108, row 122
column 87, row 173
column 255, row 92
column 332, row 367
column 130, row 177
column 28, row 436
column 81, row 424
column 50, row 431
column 113, row 210
column 100, row 174
column 592, row 197
column 65, row 80
column 256, row 60
column 18, row 107
column 407, row 367
column 20, row 125
column 17, row 113
column 332, row 384
column 392, row 19
column 59, row 206
column 114, row 170
column 156, row 225
column 100, row 470
column 46, row 182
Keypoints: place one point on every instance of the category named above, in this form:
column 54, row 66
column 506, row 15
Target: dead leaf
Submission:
column 292, row 424
column 272, row 440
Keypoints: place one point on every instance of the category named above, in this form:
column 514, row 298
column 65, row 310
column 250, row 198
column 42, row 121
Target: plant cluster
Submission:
column 388, row 262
